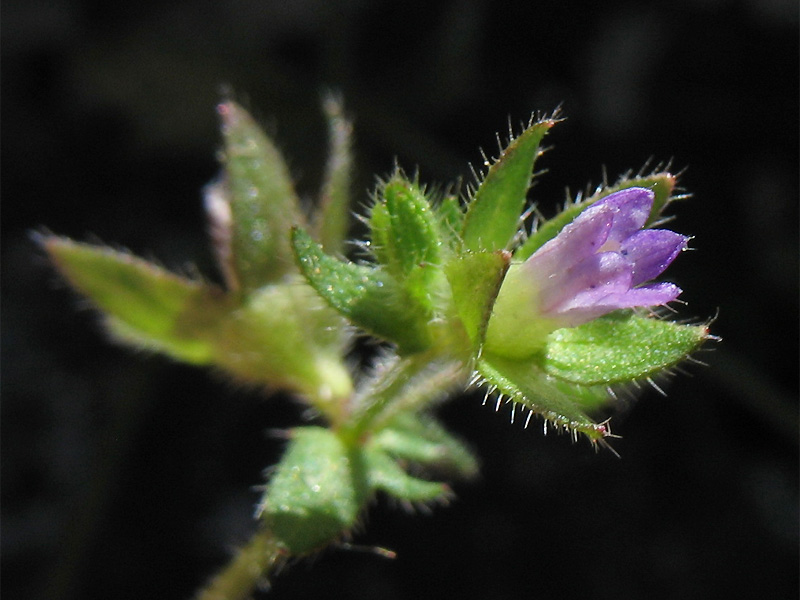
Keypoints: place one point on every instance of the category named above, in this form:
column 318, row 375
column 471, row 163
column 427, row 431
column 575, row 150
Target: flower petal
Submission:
column 651, row 251
column 631, row 208
column 652, row 295
column 587, row 283
column 648, row 295
column 580, row 239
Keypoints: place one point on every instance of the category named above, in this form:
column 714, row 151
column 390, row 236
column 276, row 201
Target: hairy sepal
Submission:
column 564, row 404
column 332, row 221
column 619, row 348
column 145, row 305
column 367, row 296
column 492, row 218
column 475, row 279
column 317, row 491
column 263, row 202
column 421, row 439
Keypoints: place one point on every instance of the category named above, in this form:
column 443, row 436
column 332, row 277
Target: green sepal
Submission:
column 420, row 438
column 146, row 305
column 405, row 236
column 332, row 219
column 475, row 279
column 367, row 296
column 387, row 476
column 317, row 491
column 285, row 336
column 662, row 184
column 618, row 348
column 450, row 217
column 492, row 218
column 263, row 203
column 564, row 404
column 379, row 224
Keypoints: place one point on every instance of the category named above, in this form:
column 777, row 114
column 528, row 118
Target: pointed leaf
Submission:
column 620, row 347
column 367, row 296
column 492, row 218
column 147, row 306
column 263, row 202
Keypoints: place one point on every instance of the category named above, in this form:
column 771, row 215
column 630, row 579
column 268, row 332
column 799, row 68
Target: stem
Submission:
column 249, row 568
column 405, row 385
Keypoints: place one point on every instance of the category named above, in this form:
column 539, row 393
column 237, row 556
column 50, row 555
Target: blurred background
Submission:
column 127, row 476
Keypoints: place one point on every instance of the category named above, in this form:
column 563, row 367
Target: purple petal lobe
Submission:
column 580, row 239
column 652, row 295
column 651, row 251
column 588, row 282
column 631, row 209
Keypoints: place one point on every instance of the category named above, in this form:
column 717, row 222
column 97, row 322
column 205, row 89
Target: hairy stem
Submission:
column 248, row 569
column 408, row 384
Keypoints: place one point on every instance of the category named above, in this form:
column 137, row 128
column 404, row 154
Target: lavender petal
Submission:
column 631, row 208
column 651, row 251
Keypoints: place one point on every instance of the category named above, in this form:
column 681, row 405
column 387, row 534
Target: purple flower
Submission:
column 599, row 263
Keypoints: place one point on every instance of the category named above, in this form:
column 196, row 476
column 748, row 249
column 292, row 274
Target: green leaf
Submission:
column 367, row 296
column 387, row 476
column 662, row 185
column 564, row 404
column 263, row 202
column 475, row 280
column 492, row 218
column 421, row 439
column 317, row 491
column 146, row 305
column 618, row 348
column 332, row 220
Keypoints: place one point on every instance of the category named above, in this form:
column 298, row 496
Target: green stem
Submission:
column 249, row 568
column 407, row 384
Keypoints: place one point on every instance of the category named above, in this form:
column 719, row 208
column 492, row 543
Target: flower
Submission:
column 597, row 264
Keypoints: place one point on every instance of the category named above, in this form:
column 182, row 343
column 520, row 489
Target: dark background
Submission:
column 127, row 476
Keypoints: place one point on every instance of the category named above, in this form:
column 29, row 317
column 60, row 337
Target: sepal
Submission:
column 619, row 348
column 421, row 439
column 475, row 279
column 263, row 203
column 493, row 215
column 316, row 492
column 405, row 239
column 368, row 297
column 146, row 305
column 332, row 219
column 385, row 475
column 565, row 405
